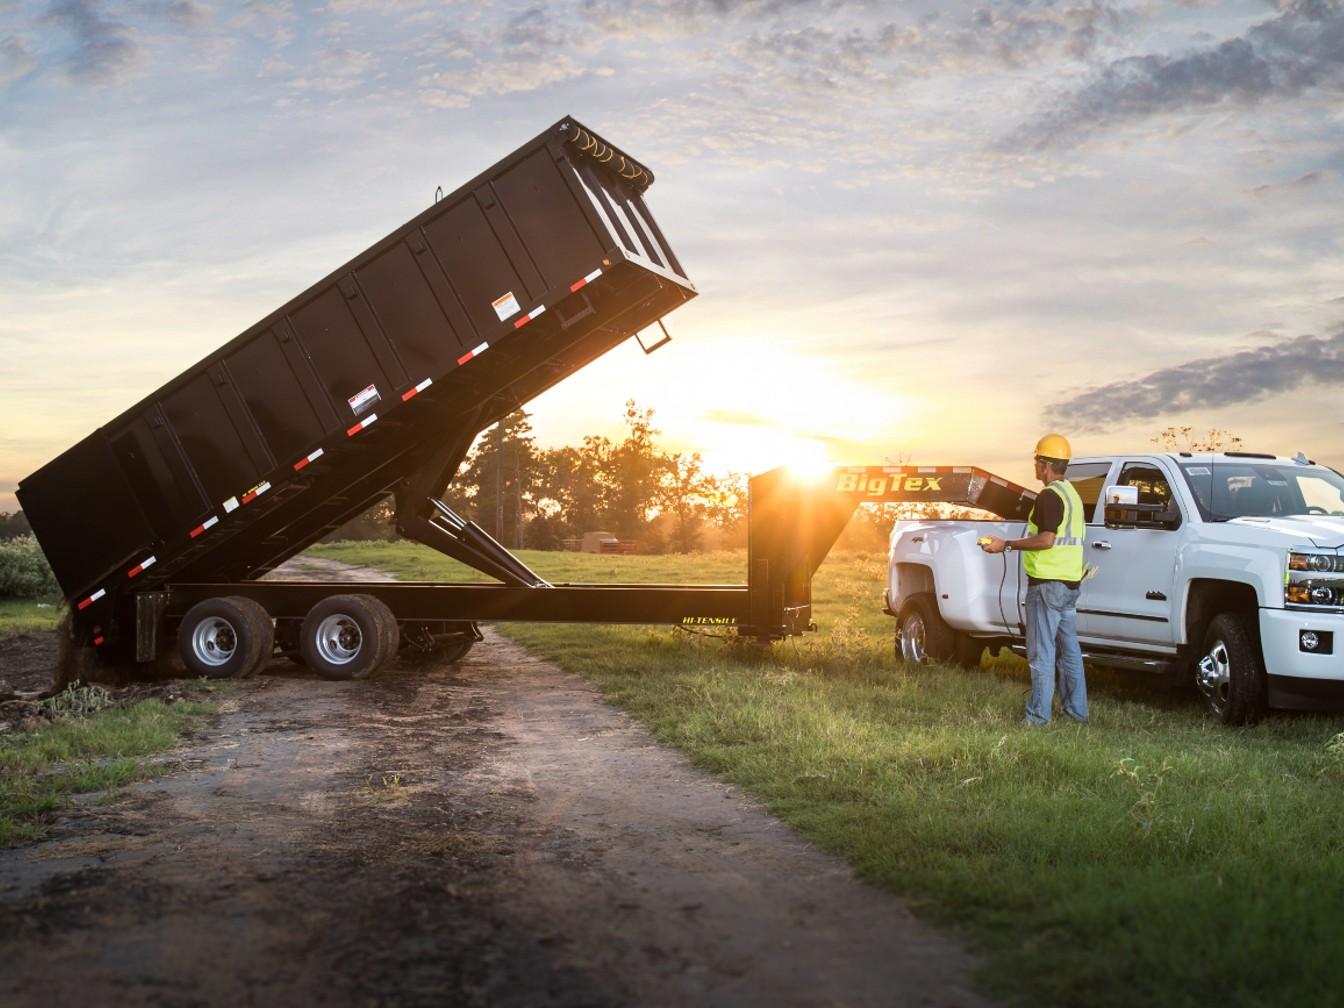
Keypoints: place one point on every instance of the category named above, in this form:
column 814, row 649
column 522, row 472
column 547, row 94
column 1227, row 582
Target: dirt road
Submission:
column 490, row 833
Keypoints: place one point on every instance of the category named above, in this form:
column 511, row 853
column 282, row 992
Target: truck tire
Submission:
column 225, row 638
column 922, row 638
column 1230, row 672
column 348, row 637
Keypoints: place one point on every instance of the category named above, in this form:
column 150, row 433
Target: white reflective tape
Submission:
column 480, row 349
column 211, row 523
column 315, row 455
column 538, row 310
column 231, row 505
column 593, row 275
column 263, row 488
column 149, row 563
column 424, row 384
column 98, row 594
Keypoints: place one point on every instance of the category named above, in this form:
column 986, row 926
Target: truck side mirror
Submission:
column 1123, row 510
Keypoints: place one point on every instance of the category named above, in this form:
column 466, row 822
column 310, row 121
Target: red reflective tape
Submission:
column 522, row 321
column 197, row 531
column 417, row 390
column 409, row 394
column 300, row 464
column 209, row 524
column 85, row 604
column 578, row 283
column 354, row 430
column 134, row 571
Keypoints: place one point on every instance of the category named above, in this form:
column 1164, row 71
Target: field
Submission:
column 1149, row 857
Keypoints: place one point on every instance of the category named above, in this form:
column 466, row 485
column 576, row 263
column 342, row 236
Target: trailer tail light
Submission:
column 585, row 281
column 252, row 495
column 97, row 641
column 473, row 353
column 205, row 526
column 538, row 310
column 92, row 599
column 364, row 424
column 412, row 393
column 143, row 565
column 311, row 457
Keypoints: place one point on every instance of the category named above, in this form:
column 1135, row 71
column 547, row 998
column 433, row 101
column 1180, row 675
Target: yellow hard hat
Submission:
column 1054, row 446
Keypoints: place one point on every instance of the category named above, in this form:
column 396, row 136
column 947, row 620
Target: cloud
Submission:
column 1301, row 49
column 105, row 50
column 1241, row 377
column 15, row 59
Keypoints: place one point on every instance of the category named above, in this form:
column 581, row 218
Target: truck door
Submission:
column 1127, row 600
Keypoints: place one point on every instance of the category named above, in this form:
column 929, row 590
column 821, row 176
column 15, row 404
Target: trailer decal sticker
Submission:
column 585, row 281
column 361, row 402
column 411, row 393
column 876, row 486
column 199, row 529
column 255, row 492
column 473, row 353
column 141, row 566
column 708, row 621
column 230, row 505
column 506, row 305
column 310, row 457
column 92, row 598
column 368, row 421
column 538, row 310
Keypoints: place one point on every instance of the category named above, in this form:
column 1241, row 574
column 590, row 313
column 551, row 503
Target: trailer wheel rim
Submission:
column 214, row 642
column 339, row 639
column 1214, row 674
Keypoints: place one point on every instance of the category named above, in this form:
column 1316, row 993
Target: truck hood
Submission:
column 1326, row 531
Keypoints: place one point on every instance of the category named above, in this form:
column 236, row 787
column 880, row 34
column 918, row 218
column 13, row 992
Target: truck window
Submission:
column 1151, row 481
column 1088, row 478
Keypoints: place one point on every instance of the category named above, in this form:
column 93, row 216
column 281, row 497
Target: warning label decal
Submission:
column 506, row 305
column 362, row 402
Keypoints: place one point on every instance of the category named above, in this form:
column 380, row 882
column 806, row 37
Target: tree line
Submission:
column 536, row 498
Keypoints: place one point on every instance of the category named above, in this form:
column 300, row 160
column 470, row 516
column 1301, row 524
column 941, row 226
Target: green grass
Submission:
column 1151, row 857
column 22, row 616
column 89, row 748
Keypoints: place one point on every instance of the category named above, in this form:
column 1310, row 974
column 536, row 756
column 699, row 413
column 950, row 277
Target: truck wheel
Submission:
column 348, row 636
column 225, row 638
column 922, row 638
column 1230, row 673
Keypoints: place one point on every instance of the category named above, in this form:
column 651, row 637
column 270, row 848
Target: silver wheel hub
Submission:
column 913, row 647
column 339, row 639
column 214, row 641
column 1213, row 674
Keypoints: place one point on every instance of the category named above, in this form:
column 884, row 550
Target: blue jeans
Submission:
column 1052, row 642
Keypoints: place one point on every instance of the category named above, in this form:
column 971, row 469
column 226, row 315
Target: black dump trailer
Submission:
column 375, row 381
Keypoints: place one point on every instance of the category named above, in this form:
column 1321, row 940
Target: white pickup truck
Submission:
column 1227, row 567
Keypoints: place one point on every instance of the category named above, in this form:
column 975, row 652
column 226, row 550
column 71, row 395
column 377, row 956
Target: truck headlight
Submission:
column 1314, row 579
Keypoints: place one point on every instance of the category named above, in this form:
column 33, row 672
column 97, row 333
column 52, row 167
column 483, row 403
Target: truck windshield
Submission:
column 1252, row 488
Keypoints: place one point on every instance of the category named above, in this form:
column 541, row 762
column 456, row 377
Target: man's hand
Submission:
column 992, row 544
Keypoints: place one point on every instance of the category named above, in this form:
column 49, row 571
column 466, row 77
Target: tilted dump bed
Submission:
column 376, row 378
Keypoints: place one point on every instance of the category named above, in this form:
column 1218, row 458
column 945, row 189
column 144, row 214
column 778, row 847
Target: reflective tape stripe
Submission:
column 209, row 524
column 583, row 282
column 252, row 495
column 231, row 505
column 538, row 310
column 364, row 424
column 417, row 390
column 473, row 353
column 92, row 598
column 310, row 457
column 143, row 565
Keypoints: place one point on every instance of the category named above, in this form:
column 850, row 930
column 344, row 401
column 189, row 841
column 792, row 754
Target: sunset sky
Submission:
column 921, row 231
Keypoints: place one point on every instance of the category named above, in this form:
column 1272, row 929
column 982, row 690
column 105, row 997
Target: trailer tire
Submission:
column 1229, row 672
column 348, row 637
column 922, row 638
column 225, row 638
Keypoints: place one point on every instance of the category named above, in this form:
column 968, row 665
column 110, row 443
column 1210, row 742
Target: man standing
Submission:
column 1052, row 556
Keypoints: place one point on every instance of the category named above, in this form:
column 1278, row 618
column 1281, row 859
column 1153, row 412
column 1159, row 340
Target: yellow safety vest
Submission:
column 1064, row 560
